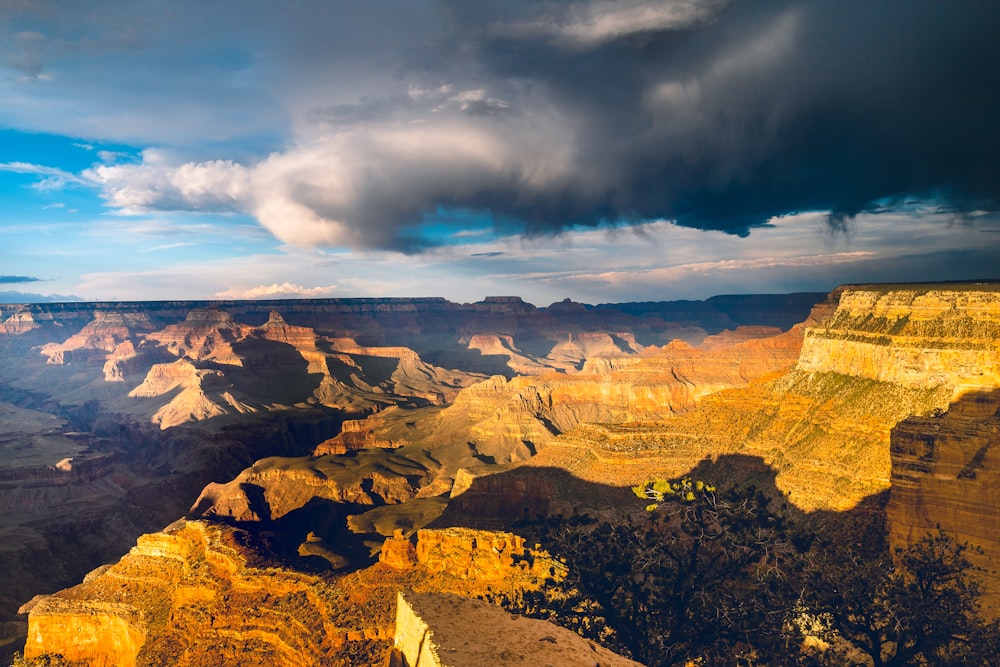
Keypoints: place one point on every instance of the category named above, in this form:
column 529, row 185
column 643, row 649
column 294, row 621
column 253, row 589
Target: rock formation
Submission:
column 910, row 336
column 277, row 486
column 172, row 599
column 436, row 630
column 885, row 354
column 946, row 473
column 192, row 402
column 18, row 323
column 99, row 339
column 509, row 420
column 196, row 595
column 205, row 334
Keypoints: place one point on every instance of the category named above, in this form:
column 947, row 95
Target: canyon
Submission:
column 115, row 416
column 328, row 455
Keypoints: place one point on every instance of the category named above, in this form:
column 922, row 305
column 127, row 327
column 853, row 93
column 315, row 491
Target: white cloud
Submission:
column 700, row 270
column 170, row 246
column 158, row 183
column 52, row 177
column 276, row 291
column 335, row 190
column 591, row 23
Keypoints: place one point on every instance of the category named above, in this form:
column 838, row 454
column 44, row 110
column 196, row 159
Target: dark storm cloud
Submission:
column 763, row 108
column 540, row 115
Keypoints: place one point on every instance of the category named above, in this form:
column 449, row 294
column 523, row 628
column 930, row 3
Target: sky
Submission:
column 600, row 150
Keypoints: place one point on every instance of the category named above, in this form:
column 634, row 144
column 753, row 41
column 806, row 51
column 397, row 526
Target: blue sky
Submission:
column 604, row 150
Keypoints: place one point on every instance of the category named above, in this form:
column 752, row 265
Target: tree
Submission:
column 723, row 578
column 701, row 576
column 920, row 608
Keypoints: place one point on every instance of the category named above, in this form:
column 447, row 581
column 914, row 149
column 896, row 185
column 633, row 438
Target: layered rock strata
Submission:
column 885, row 354
column 196, row 595
column 188, row 596
column 911, row 336
column 510, row 420
column 946, row 474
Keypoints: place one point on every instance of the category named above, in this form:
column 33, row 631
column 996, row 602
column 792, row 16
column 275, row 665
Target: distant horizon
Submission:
column 975, row 282
column 484, row 299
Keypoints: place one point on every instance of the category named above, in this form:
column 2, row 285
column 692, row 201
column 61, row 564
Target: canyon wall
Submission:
column 911, row 336
column 885, row 354
column 946, row 474
column 509, row 420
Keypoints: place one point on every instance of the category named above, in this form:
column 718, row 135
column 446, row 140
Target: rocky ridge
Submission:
column 510, row 420
column 197, row 595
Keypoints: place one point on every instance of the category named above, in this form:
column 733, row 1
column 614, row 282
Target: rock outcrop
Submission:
column 437, row 630
column 189, row 596
column 482, row 555
column 567, row 355
column 192, row 401
column 99, row 340
column 946, row 474
column 275, row 486
column 198, row 595
column 16, row 324
column 910, row 336
column 205, row 334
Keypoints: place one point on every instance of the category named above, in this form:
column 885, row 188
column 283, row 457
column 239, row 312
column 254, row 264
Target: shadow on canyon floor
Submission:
column 503, row 500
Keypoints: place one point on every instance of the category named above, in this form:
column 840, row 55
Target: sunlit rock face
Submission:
column 509, row 420
column 946, row 473
column 435, row 630
column 18, row 323
column 226, row 368
column 885, row 354
column 198, row 595
column 206, row 333
column 188, row 596
column 482, row 555
column 99, row 339
column 916, row 338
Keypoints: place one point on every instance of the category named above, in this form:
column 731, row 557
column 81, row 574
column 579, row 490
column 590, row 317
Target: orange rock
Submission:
column 398, row 552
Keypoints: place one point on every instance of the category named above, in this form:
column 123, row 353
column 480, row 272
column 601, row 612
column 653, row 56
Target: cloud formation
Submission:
column 552, row 116
column 18, row 279
column 276, row 291
column 28, row 297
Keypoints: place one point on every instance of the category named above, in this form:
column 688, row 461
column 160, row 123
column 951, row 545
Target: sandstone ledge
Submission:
column 438, row 630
